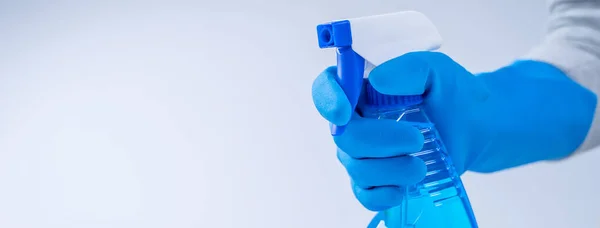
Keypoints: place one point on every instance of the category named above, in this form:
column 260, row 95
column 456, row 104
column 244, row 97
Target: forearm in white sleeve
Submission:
column 572, row 44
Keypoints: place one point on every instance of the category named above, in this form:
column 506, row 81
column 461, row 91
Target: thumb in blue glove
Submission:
column 523, row 113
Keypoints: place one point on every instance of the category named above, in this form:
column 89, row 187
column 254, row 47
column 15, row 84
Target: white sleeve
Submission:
column 572, row 43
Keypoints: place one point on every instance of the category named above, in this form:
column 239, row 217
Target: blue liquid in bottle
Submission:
column 438, row 201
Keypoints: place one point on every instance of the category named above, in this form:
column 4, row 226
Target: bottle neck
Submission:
column 377, row 99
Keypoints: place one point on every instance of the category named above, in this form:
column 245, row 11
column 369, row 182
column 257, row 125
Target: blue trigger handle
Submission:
column 350, row 65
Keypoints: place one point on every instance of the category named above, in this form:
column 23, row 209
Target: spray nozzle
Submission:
column 365, row 42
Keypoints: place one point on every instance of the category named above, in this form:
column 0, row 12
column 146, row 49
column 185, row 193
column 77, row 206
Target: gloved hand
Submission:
column 526, row 112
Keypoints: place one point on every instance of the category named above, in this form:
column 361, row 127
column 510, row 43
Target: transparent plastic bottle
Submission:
column 438, row 201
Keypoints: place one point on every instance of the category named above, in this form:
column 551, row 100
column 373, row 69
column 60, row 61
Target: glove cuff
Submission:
column 582, row 68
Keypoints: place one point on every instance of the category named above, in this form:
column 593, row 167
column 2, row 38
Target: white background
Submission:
column 168, row 114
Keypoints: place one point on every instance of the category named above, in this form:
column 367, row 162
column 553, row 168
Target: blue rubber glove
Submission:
column 523, row 113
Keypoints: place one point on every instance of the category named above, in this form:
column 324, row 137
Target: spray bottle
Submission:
column 440, row 200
